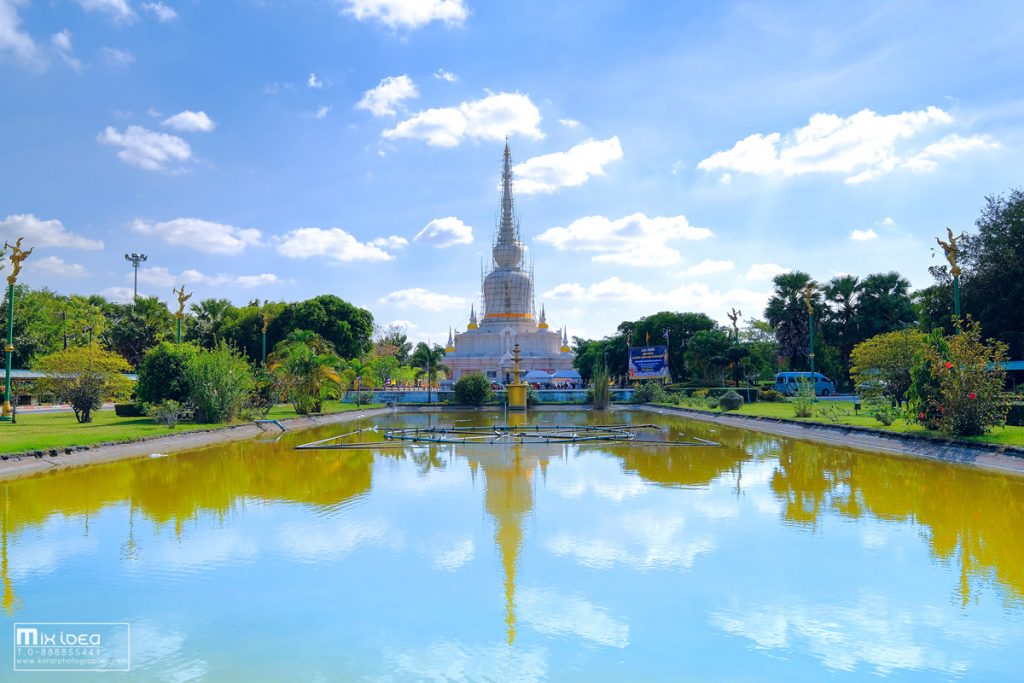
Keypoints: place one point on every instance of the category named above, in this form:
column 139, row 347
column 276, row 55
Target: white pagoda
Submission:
column 507, row 315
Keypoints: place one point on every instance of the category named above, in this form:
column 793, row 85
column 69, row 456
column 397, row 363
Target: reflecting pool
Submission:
column 761, row 559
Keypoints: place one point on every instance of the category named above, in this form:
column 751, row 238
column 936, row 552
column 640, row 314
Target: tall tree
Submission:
column 429, row 360
column 137, row 327
column 210, row 315
column 681, row 328
column 884, row 304
column 349, row 328
column 787, row 314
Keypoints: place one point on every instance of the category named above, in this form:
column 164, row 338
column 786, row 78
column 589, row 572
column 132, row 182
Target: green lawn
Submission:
column 41, row 431
column 1004, row 435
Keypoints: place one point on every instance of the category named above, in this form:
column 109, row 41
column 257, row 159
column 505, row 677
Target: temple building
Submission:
column 507, row 314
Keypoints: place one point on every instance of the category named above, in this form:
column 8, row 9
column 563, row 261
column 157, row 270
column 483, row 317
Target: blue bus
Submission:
column 788, row 382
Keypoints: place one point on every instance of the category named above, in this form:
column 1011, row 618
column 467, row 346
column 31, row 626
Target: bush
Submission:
column 700, row 393
column 1015, row 415
column 833, row 412
column 882, row 410
column 711, row 403
column 474, row 390
column 219, row 382
column 162, row 373
column 730, row 401
column 362, row 398
column 803, row 399
column 168, row 412
column 648, row 393
column 129, row 410
column 84, row 377
column 600, row 395
column 771, row 396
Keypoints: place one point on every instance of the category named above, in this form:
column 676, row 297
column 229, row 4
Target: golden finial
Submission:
column 734, row 316
column 951, row 249
column 808, row 292
column 182, row 298
column 17, row 256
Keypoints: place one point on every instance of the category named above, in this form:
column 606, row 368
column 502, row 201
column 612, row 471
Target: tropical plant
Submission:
column 787, row 314
column 428, row 359
column 84, row 377
column 600, row 393
column 219, row 381
column 307, row 370
column 473, row 389
column 649, row 392
column 162, row 373
column 137, row 327
column 881, row 365
column 803, row 399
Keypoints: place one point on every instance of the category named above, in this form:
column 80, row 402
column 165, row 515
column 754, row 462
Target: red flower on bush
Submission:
column 948, row 365
column 921, row 416
column 972, row 395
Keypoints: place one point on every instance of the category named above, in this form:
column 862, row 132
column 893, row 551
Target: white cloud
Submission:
column 337, row 244
column 118, row 10
column 162, row 12
column 162, row 277
column 417, row 297
column 549, row 172
column 57, row 266
column 633, row 240
column 381, row 100
column 612, row 289
column 569, row 123
column 145, row 148
column 567, row 290
column 863, row 235
column 554, row 614
column 887, row 221
column 14, row 41
column 190, row 122
column 61, row 42
column 119, row 295
column 445, row 232
column 766, row 271
column 201, row 235
column 116, row 56
column 453, row 557
column 863, row 146
column 709, row 267
column 314, row 82
column 322, row 112
column 36, row 232
column 490, row 118
column 443, row 75
column 408, row 14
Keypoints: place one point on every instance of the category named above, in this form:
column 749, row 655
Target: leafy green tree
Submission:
column 219, row 382
column 307, row 369
column 992, row 281
column 209, row 317
column 428, row 359
column 393, row 341
column 84, row 377
column 681, row 328
column 359, row 374
column 384, row 369
column 135, row 328
column 934, row 305
column 162, row 373
column 839, row 324
column 883, row 304
column 882, row 364
column 787, row 314
column 473, row 389
column 706, row 354
column 347, row 327
column 243, row 328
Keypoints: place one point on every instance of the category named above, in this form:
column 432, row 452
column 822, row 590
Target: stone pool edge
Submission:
column 988, row 456
column 25, row 464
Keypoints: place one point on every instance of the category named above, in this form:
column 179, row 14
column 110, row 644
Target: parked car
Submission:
column 788, row 382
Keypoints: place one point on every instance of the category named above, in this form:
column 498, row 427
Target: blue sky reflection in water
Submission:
column 765, row 559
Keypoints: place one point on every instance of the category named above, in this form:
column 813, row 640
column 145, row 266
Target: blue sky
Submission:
column 668, row 155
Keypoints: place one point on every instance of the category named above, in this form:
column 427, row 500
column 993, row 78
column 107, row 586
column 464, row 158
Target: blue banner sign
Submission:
column 648, row 362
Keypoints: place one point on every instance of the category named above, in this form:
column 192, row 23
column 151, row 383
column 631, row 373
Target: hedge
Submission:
column 129, row 410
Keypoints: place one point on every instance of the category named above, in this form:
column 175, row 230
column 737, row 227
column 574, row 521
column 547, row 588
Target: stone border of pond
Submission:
column 989, row 456
column 16, row 465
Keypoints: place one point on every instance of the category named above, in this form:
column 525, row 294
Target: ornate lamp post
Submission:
column 266, row 324
column 182, row 298
column 17, row 256
column 952, row 250
column 135, row 260
column 808, row 291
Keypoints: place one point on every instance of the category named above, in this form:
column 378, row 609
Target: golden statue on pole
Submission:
column 808, row 292
column 952, row 251
column 734, row 316
column 17, row 256
column 182, row 298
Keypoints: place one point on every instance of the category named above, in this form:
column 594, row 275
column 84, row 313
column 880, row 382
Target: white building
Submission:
column 507, row 315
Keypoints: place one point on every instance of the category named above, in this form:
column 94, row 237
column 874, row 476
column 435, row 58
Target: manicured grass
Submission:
column 41, row 431
column 1007, row 436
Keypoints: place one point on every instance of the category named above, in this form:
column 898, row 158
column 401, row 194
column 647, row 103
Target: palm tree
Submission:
column 788, row 315
column 210, row 315
column 884, row 304
column 359, row 373
column 307, row 370
column 429, row 360
column 840, row 324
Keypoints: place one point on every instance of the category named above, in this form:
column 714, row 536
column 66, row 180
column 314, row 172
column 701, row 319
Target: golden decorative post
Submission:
column 182, row 298
column 17, row 256
column 808, row 293
column 734, row 316
column 952, row 251
column 266, row 324
column 516, row 390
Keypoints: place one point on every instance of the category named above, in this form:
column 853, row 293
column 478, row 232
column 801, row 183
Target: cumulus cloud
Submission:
column 490, row 118
column 162, row 12
column 338, row 245
column 145, row 148
column 57, row 266
column 118, row 10
column 612, row 289
column 15, row 42
column 201, row 235
column 407, row 14
column 162, row 277
column 119, row 295
column 322, row 112
column 444, row 75
column 51, row 233
column 445, row 232
column 417, row 297
column 863, row 235
column 190, row 122
column 555, row 614
column 61, row 42
column 382, row 99
column 766, row 271
column 569, row 123
column 693, row 296
column 633, row 240
column 709, row 267
column 314, row 82
column 572, row 168
column 863, row 146
column 116, row 56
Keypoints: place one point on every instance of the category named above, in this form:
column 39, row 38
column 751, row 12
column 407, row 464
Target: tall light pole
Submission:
column 17, row 256
column 135, row 260
column 808, row 291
